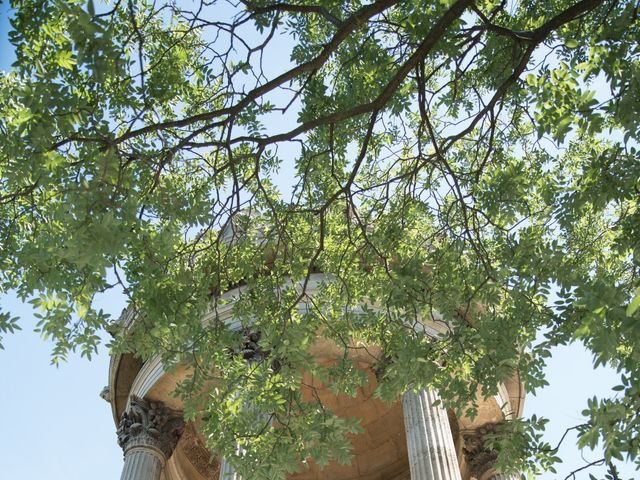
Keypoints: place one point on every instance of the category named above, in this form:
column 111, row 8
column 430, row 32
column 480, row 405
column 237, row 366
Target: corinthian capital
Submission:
column 479, row 458
column 150, row 424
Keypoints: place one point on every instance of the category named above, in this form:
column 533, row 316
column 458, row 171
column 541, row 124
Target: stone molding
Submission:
column 150, row 425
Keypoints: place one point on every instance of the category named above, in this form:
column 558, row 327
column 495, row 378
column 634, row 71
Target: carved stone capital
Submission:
column 150, row 424
column 479, row 458
column 250, row 350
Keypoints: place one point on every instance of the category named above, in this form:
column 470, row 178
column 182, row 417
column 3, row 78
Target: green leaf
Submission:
column 634, row 304
column 64, row 58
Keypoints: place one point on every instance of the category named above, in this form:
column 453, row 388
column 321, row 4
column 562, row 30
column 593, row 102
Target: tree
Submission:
column 470, row 159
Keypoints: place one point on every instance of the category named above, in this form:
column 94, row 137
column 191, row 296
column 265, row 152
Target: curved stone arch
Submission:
column 152, row 370
column 123, row 369
column 503, row 400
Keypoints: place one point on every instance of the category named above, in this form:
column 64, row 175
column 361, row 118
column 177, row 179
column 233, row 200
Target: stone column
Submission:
column 227, row 472
column 504, row 476
column 432, row 455
column 148, row 433
column 142, row 463
column 252, row 352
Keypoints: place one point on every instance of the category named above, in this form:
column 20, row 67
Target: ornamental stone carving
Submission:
column 479, row 458
column 105, row 394
column 150, row 424
column 252, row 351
column 197, row 453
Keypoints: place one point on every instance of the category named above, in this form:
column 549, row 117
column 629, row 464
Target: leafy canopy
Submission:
column 469, row 162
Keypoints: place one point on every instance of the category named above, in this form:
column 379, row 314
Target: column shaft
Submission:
column 142, row 464
column 504, row 476
column 432, row 454
column 227, row 472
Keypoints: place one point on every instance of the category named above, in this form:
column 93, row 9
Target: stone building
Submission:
column 412, row 439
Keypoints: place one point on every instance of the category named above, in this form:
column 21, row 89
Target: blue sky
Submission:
column 56, row 427
column 54, row 424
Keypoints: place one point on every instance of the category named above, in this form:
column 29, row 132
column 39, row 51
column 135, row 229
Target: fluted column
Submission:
column 504, row 476
column 142, row 464
column 227, row 472
column 432, row 455
column 252, row 352
column 148, row 433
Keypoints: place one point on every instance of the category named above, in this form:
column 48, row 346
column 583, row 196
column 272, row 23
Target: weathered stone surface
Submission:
column 149, row 424
column 432, row 454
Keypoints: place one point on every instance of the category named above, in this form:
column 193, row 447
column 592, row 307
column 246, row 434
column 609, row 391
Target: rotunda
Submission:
column 414, row 438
